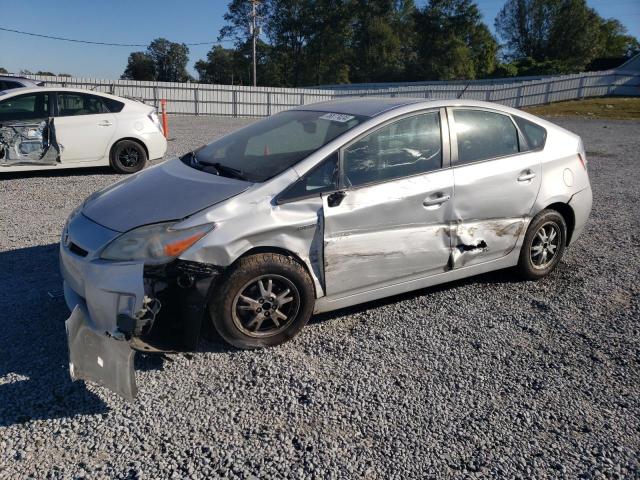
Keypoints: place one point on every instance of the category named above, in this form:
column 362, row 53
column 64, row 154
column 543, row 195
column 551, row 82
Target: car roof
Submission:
column 374, row 106
column 22, row 90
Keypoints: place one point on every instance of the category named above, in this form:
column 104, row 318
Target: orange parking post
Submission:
column 165, row 120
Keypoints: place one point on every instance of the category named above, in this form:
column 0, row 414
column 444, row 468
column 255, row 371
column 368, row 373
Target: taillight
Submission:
column 583, row 160
column 153, row 116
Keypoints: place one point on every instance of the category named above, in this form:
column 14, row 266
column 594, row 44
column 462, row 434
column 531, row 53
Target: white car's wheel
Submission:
column 128, row 156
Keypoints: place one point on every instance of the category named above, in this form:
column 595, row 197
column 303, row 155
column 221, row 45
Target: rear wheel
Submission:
column 263, row 301
column 543, row 246
column 128, row 156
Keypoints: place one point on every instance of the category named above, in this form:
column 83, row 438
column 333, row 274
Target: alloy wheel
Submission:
column 544, row 246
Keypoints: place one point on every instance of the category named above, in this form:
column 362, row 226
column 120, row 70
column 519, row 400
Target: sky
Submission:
column 141, row 21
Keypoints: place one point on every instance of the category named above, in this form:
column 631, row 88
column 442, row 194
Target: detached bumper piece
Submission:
column 170, row 319
column 99, row 357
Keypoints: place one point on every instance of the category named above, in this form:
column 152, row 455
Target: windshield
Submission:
column 268, row 147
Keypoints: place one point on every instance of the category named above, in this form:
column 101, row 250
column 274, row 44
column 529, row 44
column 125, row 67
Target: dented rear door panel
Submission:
column 491, row 207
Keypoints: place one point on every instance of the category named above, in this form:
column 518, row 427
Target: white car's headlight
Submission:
column 154, row 244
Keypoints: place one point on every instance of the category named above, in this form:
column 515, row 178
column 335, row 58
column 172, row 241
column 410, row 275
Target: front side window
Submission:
column 482, row 135
column 406, row 147
column 73, row 104
column 25, row 107
column 323, row 178
column 268, row 147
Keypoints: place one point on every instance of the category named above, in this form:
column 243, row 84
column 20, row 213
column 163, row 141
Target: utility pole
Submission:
column 254, row 35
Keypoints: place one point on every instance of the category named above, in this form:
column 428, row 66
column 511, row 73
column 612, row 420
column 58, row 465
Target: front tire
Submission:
column 263, row 301
column 543, row 245
column 128, row 156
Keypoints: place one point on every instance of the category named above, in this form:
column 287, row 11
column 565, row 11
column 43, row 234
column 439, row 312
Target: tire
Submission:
column 248, row 315
column 537, row 257
column 128, row 156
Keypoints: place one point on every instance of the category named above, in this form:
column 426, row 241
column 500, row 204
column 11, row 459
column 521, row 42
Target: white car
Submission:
column 51, row 128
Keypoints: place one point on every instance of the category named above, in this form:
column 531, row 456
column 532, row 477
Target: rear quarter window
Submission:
column 534, row 134
column 114, row 106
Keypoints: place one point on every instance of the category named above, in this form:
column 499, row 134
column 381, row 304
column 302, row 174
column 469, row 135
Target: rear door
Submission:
column 390, row 221
column 27, row 133
column 84, row 126
column 496, row 184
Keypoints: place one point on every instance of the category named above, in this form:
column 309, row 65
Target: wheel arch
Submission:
column 133, row 139
column 281, row 251
column 568, row 214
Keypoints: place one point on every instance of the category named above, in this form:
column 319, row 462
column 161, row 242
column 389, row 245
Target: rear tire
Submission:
column 543, row 245
column 263, row 301
column 128, row 156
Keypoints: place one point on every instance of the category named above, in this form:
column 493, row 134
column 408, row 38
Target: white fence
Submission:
column 238, row 101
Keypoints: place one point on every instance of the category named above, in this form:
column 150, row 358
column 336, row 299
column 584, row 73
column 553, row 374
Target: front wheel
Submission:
column 543, row 245
column 263, row 301
column 128, row 156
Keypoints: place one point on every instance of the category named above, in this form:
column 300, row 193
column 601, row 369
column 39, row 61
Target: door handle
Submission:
column 526, row 176
column 436, row 199
column 106, row 123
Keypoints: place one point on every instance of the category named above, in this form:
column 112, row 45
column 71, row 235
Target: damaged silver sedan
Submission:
column 310, row 210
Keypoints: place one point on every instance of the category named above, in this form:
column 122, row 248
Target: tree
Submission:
column 170, row 60
column 140, row 66
column 3, row 71
column 40, row 72
column 559, row 36
column 452, row 42
column 164, row 61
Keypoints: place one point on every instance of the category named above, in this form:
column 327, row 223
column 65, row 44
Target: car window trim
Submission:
column 454, row 137
column 445, row 147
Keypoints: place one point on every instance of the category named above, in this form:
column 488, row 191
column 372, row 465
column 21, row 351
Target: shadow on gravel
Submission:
column 495, row 277
column 34, row 376
column 66, row 172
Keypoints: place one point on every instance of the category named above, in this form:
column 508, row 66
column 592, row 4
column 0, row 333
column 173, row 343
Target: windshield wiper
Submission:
column 226, row 170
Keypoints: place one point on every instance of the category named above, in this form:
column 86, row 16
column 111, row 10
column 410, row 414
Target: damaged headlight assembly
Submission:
column 154, row 244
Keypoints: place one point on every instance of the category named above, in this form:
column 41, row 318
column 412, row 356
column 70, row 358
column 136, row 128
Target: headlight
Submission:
column 154, row 244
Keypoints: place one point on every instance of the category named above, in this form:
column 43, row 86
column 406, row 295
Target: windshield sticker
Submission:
column 337, row 117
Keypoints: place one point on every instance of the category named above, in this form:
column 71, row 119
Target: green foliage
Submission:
column 164, row 61
column 559, row 36
column 3, row 70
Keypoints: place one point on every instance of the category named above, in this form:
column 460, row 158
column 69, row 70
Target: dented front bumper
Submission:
column 120, row 307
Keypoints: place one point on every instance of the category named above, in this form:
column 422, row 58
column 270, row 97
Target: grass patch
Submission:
column 610, row 107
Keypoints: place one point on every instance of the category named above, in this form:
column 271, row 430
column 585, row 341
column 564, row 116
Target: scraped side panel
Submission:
column 476, row 242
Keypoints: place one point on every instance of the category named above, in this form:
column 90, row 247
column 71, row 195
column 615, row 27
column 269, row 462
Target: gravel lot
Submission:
column 479, row 378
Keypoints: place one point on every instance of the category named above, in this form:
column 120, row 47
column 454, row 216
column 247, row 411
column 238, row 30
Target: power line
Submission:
column 51, row 37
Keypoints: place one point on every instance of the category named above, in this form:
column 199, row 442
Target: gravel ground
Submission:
column 487, row 377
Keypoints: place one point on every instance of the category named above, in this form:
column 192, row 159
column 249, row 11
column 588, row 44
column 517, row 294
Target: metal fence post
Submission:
column 195, row 99
column 155, row 96
column 268, row 104
column 302, row 99
column 235, row 103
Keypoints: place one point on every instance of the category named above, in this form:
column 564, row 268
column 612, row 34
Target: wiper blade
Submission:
column 226, row 170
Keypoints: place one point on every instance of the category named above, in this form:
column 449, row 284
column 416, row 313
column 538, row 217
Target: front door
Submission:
column 390, row 223
column 84, row 127
column 27, row 133
column 496, row 184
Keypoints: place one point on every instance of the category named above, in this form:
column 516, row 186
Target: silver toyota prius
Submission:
column 314, row 209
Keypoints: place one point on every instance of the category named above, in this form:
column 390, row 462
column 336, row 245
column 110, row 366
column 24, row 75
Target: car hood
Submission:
column 169, row 191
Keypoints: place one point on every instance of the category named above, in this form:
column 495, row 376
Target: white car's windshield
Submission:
column 268, row 147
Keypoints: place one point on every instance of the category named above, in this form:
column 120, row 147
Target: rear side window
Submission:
column 25, row 107
column 73, row 104
column 7, row 85
column 482, row 135
column 535, row 135
column 114, row 106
